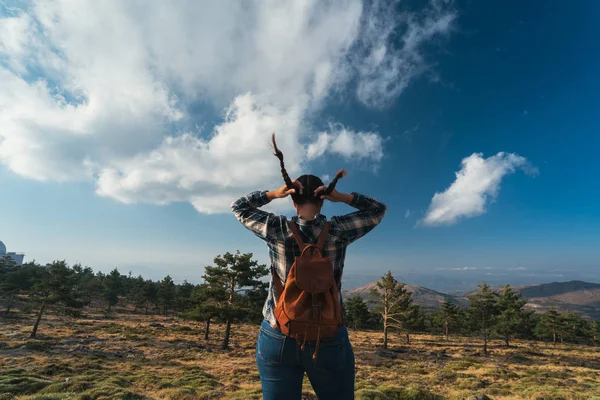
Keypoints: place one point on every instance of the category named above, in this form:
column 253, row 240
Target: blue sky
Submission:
column 101, row 185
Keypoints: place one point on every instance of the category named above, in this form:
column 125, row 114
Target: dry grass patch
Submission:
column 154, row 357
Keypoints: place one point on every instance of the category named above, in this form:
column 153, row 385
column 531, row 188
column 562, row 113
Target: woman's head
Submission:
column 309, row 183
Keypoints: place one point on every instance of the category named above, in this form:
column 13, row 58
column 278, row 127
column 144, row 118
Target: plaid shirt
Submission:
column 274, row 230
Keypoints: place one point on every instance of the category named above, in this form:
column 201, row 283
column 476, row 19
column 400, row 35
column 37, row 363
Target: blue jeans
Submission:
column 282, row 363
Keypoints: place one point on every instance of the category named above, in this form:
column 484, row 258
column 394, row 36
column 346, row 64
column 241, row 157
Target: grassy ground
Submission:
column 126, row 358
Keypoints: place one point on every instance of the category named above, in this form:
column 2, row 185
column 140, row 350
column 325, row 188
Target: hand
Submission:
column 334, row 196
column 283, row 191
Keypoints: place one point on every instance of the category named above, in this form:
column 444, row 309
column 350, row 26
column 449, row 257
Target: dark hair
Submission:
column 309, row 182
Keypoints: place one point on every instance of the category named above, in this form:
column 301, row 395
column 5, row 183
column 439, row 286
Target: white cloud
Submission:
column 407, row 214
column 517, row 269
column 386, row 66
column 476, row 183
column 109, row 91
column 209, row 172
column 349, row 144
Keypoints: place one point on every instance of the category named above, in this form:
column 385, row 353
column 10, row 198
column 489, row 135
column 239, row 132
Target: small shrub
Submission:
column 38, row 345
column 53, row 369
column 183, row 329
column 517, row 358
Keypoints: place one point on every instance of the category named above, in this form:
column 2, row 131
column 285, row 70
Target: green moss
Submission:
column 255, row 394
column 396, row 393
column 471, row 383
column 110, row 392
column 463, row 364
column 547, row 392
column 446, row 375
column 517, row 358
column 501, row 373
column 75, row 385
column 500, row 389
column 22, row 384
column 38, row 345
column 417, row 369
column 369, row 394
column 50, row 396
column 58, row 368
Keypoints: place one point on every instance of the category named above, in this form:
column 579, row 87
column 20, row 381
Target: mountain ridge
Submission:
column 575, row 295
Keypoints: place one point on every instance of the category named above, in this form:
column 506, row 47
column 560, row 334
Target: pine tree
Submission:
column 111, row 288
column 483, row 311
column 183, row 295
column 254, row 300
column 393, row 302
column 549, row 325
column 596, row 332
column 10, row 281
column 356, row 312
column 447, row 316
column 150, row 294
column 413, row 320
column 127, row 286
column 57, row 287
column 206, row 303
column 137, row 293
column 90, row 285
column 234, row 273
column 574, row 328
column 512, row 317
column 166, row 293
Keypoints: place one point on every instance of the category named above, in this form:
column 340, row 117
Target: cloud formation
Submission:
column 125, row 95
column 477, row 183
column 346, row 143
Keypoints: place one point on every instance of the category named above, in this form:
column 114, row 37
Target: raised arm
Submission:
column 263, row 224
column 357, row 224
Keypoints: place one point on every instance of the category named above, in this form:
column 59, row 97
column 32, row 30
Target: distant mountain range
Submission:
column 578, row 296
column 422, row 296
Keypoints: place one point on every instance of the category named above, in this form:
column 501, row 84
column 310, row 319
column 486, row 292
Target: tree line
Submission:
column 233, row 291
column 490, row 314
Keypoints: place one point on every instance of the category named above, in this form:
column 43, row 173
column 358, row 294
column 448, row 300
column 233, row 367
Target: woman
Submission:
column 282, row 360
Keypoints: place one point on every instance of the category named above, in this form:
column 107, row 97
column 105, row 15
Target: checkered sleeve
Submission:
column 357, row 224
column 265, row 225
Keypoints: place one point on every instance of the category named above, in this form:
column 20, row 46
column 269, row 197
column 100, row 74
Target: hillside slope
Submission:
column 423, row 296
column 578, row 296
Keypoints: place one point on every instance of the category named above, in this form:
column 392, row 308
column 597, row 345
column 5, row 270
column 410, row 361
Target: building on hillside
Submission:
column 17, row 257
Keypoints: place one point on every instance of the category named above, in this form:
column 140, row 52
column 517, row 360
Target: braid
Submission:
column 341, row 173
column 279, row 155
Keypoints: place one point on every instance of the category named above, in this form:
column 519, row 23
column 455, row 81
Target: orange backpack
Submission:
column 309, row 305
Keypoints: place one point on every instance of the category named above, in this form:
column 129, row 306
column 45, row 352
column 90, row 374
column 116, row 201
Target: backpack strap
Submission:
column 277, row 283
column 323, row 236
column 296, row 234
